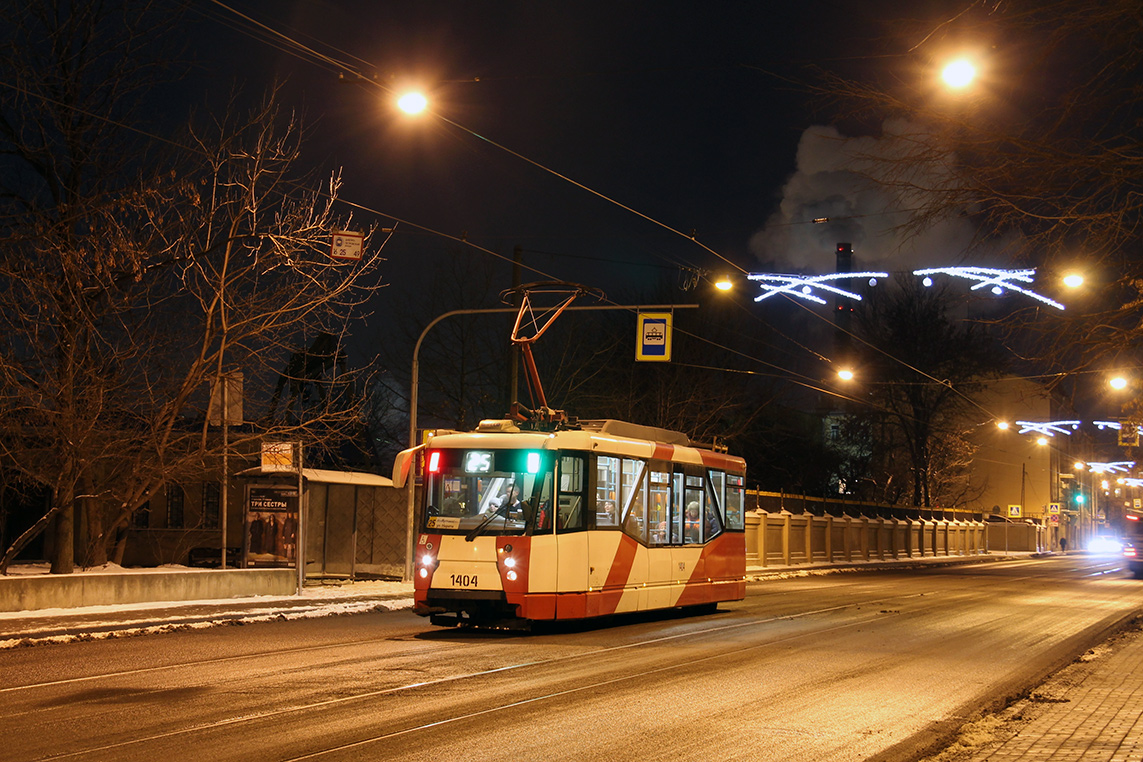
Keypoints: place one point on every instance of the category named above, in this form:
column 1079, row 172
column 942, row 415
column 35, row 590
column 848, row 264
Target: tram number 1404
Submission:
column 463, row 580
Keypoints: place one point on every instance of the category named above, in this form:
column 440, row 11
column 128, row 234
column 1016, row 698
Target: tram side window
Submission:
column 718, row 485
column 678, row 510
column 635, row 499
column 607, row 493
column 695, row 503
column 735, row 502
column 713, row 520
column 658, row 505
column 569, row 515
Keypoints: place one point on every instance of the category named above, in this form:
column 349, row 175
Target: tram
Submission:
column 590, row 519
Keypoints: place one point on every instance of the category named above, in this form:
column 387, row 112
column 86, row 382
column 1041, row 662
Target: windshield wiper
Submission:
column 476, row 530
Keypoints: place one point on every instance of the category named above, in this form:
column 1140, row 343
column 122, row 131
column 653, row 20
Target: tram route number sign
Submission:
column 346, row 245
column 653, row 338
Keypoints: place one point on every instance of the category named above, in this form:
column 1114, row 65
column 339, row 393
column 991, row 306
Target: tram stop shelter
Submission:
column 353, row 523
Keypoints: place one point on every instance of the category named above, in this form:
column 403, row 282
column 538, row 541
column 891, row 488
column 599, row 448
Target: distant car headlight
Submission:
column 1105, row 545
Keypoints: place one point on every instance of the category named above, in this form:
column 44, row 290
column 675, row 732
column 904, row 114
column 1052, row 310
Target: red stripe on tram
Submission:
column 618, row 574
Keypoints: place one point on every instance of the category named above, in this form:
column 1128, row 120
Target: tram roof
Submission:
column 603, row 436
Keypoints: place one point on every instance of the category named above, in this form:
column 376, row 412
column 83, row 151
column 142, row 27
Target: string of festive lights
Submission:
column 1113, row 467
column 806, row 286
column 1048, row 428
column 1101, row 425
column 998, row 281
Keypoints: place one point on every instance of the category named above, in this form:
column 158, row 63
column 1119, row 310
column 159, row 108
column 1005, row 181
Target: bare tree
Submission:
column 921, row 366
column 125, row 290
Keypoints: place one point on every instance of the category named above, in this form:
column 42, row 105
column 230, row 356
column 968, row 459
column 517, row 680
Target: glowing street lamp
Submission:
column 1073, row 280
column 724, row 283
column 959, row 74
column 412, row 103
column 1118, row 382
column 845, row 374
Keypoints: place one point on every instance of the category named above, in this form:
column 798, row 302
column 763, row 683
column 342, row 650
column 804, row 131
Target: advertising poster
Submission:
column 271, row 526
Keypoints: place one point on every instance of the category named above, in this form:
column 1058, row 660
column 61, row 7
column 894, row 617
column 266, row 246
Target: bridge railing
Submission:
column 836, row 531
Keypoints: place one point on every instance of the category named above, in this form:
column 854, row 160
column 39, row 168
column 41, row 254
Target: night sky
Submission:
column 689, row 113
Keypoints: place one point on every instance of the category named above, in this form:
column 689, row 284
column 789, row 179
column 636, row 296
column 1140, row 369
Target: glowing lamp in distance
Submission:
column 958, row 74
column 412, row 103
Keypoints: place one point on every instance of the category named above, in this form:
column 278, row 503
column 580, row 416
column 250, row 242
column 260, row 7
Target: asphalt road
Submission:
column 870, row 665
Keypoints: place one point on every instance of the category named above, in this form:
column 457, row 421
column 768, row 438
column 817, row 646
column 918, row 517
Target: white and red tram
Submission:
column 602, row 518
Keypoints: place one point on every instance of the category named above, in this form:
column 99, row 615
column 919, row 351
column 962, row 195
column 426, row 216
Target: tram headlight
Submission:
column 511, row 575
column 424, row 572
column 510, row 563
column 426, row 560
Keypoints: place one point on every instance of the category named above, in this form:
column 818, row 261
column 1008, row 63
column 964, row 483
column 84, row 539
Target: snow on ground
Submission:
column 22, row 628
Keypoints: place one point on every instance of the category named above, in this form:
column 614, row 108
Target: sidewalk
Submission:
column 1089, row 710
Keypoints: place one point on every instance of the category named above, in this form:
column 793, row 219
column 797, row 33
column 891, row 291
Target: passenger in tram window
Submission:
column 634, row 523
column 607, row 515
column 713, row 526
column 692, row 522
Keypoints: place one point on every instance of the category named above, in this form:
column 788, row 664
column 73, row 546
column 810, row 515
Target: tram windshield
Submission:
column 497, row 492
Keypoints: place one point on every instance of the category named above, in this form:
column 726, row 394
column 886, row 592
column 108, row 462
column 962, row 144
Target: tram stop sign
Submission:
column 346, row 245
column 653, row 339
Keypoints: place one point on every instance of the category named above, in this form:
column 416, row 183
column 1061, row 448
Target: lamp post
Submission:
column 414, row 384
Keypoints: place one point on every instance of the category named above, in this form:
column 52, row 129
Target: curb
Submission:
column 32, row 630
column 760, row 573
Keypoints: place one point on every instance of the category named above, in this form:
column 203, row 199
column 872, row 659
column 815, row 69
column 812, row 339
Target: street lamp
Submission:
column 412, row 103
column 959, row 74
column 1073, row 280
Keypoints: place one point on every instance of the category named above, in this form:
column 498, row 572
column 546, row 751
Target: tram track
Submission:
column 279, row 653
column 276, row 653
column 844, row 669
column 359, row 697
